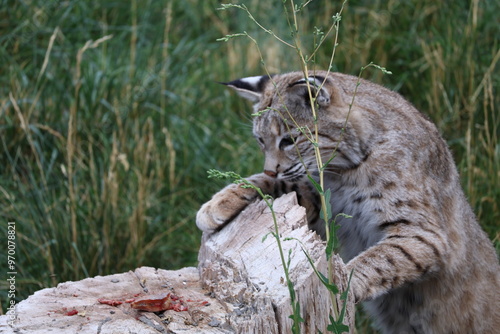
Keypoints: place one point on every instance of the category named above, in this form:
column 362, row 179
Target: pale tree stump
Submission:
column 240, row 268
column 239, row 286
column 52, row 310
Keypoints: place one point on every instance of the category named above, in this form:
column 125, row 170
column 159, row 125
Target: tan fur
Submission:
column 421, row 262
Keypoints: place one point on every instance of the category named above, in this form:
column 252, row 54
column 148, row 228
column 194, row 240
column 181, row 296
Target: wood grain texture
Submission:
column 249, row 269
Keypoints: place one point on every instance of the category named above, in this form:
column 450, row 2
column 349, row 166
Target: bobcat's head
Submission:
column 285, row 125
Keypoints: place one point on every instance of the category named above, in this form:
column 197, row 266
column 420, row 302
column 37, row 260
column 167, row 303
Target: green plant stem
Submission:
column 317, row 151
column 296, row 317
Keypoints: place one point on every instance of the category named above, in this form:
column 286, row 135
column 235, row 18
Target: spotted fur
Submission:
column 421, row 262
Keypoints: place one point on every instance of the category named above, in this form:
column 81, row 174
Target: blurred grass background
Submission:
column 104, row 145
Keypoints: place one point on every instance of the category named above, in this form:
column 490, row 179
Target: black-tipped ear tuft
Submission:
column 250, row 88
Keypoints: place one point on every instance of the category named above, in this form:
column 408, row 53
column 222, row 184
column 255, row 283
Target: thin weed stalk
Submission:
column 314, row 139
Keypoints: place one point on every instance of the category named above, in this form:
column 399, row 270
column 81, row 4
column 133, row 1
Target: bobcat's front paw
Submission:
column 224, row 207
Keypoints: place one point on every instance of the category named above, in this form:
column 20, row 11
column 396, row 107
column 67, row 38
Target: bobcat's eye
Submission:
column 287, row 141
column 260, row 140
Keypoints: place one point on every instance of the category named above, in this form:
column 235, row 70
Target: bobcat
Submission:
column 421, row 262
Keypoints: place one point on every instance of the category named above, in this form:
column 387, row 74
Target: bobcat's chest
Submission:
column 361, row 230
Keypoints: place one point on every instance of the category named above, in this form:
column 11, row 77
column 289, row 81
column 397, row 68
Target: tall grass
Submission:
column 104, row 145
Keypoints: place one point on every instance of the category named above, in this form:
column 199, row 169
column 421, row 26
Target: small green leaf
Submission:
column 324, row 280
column 332, row 242
column 297, row 319
column 315, row 184
column 342, row 215
column 217, row 174
column 330, row 286
column 327, row 194
column 291, row 290
column 265, row 236
column 343, row 297
column 383, row 69
column 225, row 6
column 330, row 247
column 328, row 162
column 337, row 328
column 268, row 197
column 261, row 112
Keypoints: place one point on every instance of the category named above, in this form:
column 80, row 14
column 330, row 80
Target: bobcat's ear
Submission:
column 250, row 88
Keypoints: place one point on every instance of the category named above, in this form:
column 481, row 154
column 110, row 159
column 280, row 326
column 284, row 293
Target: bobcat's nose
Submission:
column 270, row 173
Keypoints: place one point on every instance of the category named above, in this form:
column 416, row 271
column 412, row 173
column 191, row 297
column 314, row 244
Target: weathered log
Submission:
column 241, row 264
column 74, row 307
column 239, row 286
